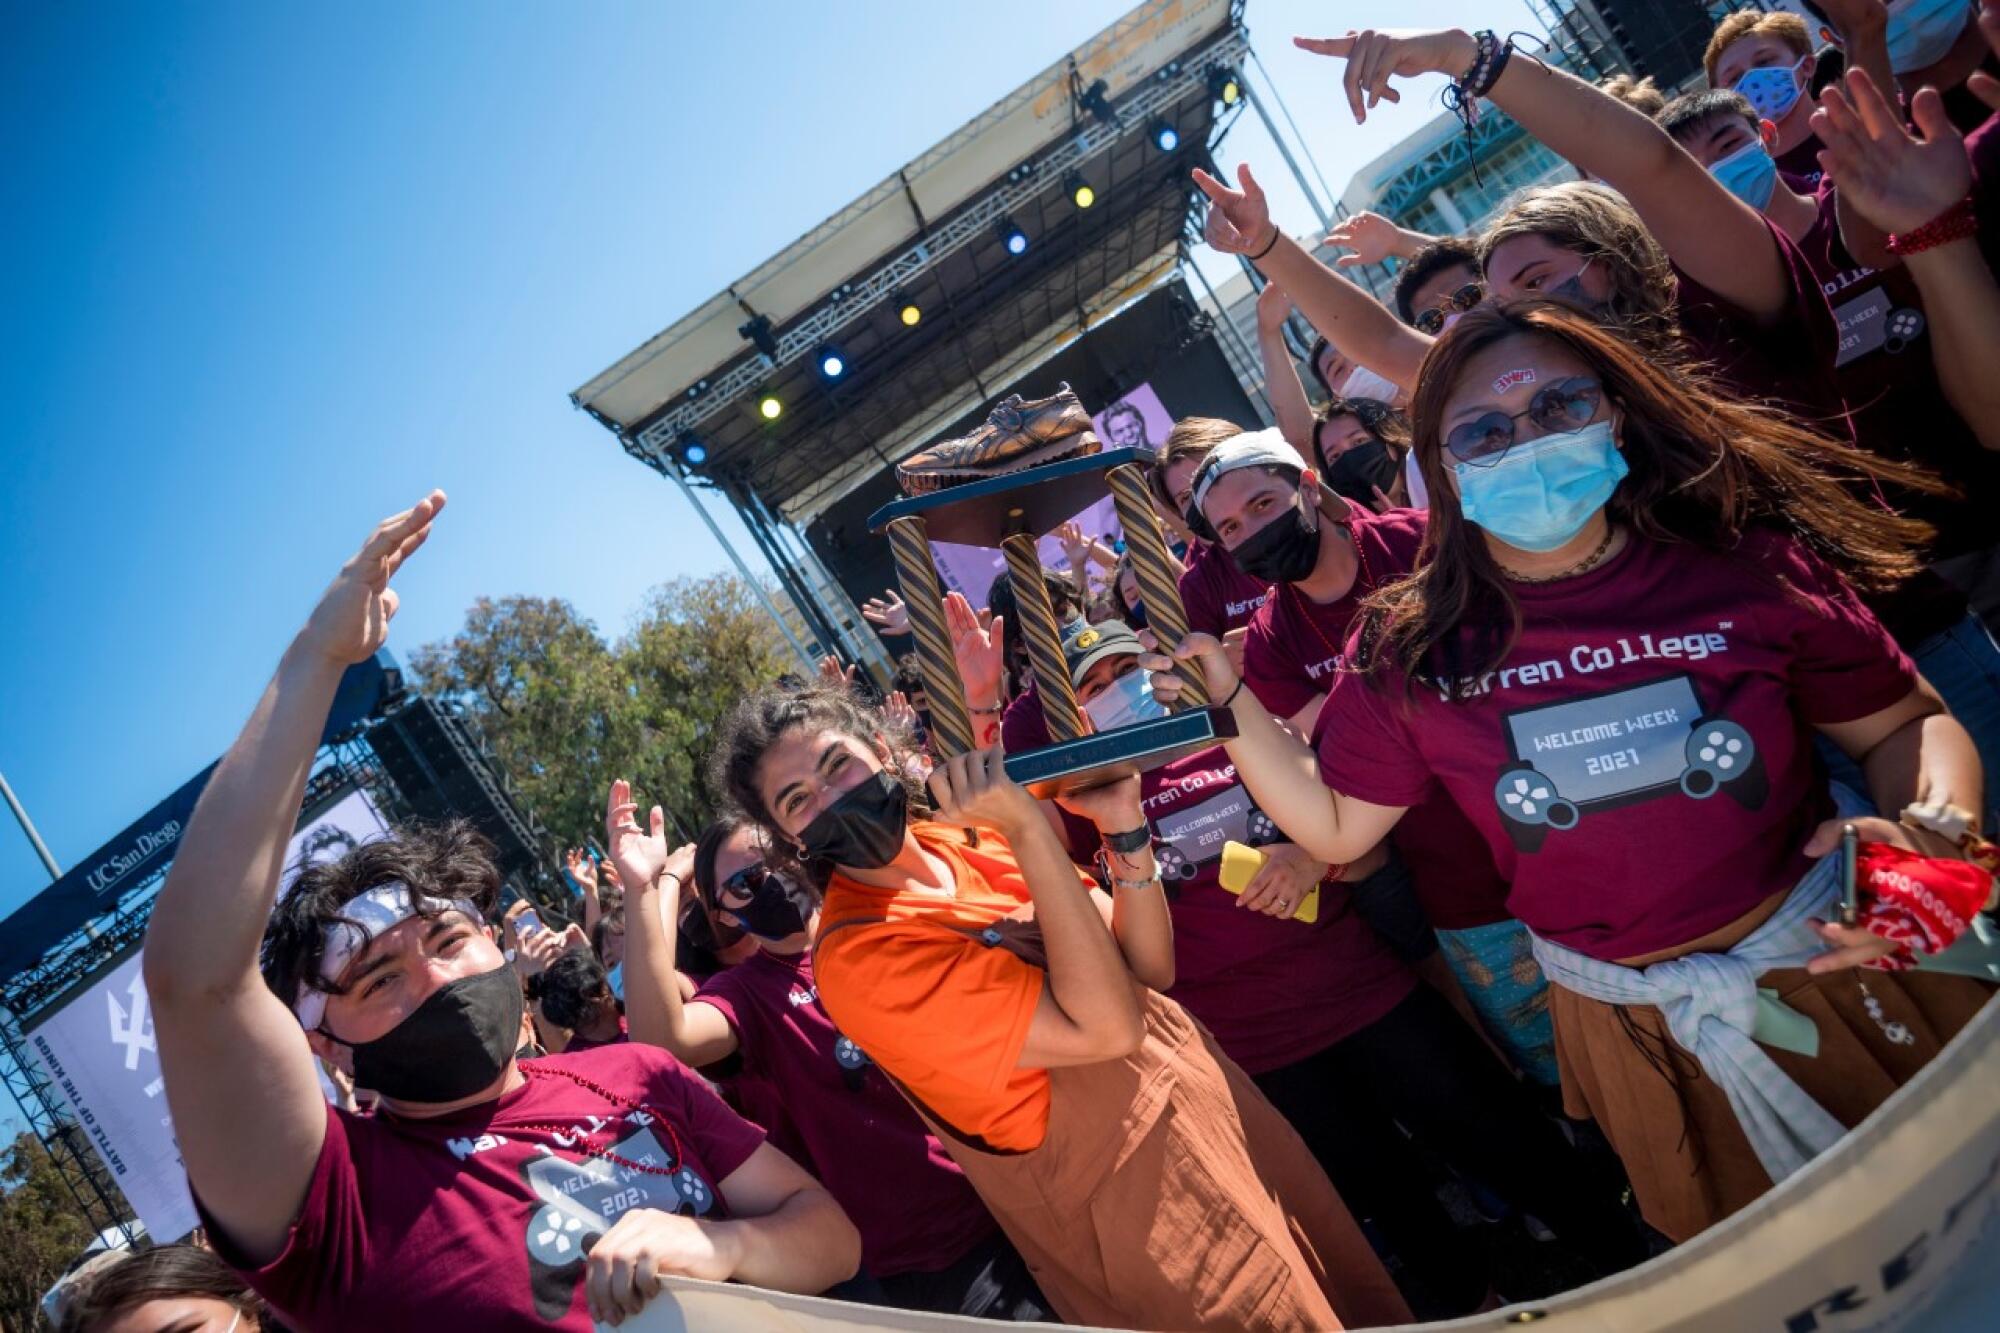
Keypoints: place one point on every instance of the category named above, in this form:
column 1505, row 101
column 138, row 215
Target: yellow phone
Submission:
column 1240, row 864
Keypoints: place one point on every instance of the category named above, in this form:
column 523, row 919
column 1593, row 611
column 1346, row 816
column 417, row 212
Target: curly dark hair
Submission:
column 444, row 860
column 161, row 1273
column 758, row 723
column 572, row 989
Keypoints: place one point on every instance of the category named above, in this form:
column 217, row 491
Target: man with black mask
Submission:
column 488, row 1191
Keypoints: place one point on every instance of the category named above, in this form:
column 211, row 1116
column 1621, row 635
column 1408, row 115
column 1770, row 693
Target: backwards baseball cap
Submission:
column 1253, row 448
column 1090, row 645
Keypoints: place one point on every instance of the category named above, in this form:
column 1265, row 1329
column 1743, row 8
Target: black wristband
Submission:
column 1233, row 693
column 1125, row 844
column 1276, row 232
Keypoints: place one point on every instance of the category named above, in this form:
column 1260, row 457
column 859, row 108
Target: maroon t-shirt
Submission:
column 1788, row 360
column 1799, row 164
column 1889, row 378
column 1272, row 991
column 1641, row 764
column 1217, row 596
column 482, row 1219
column 912, row 1204
column 1290, row 655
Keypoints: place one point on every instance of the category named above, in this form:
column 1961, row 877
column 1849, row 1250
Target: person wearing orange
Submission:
column 1138, row 1170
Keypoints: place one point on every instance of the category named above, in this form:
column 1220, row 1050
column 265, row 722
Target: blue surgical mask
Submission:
column 1748, row 173
column 1540, row 494
column 1126, row 700
column 1921, row 32
column 1771, row 90
column 615, row 978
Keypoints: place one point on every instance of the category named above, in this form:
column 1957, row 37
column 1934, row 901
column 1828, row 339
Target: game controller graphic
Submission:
column 1905, row 326
column 1261, row 829
column 1173, row 866
column 1720, row 756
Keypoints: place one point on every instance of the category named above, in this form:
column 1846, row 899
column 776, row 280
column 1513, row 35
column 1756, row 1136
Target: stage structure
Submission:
column 964, row 273
column 76, row 1044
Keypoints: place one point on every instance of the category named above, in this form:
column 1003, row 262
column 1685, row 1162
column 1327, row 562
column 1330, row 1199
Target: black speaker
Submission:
column 441, row 771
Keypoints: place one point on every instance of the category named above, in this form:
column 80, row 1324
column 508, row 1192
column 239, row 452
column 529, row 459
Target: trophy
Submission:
column 1030, row 467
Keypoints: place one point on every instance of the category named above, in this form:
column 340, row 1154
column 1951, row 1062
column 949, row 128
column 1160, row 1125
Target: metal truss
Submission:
column 1449, row 160
column 103, row 1204
column 972, row 223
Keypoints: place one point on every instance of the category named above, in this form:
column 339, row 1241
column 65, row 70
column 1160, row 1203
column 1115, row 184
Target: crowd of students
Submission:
column 1626, row 559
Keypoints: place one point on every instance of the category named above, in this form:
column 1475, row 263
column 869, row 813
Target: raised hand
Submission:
column 1075, row 545
column 978, row 648
column 890, row 616
column 1239, row 221
column 1892, row 178
column 973, row 788
column 1372, row 238
column 831, row 674
column 896, row 709
column 1112, row 808
column 581, row 869
column 1273, row 308
column 1373, row 58
column 639, row 854
column 352, row 619
column 1221, row 676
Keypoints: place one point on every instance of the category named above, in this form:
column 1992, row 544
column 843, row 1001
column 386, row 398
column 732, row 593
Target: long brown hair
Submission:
column 1595, row 221
column 1704, row 468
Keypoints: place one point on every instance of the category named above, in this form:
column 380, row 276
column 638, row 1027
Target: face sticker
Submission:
column 1507, row 381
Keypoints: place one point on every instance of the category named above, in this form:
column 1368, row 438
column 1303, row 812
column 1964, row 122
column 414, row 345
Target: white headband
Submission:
column 365, row 916
column 1252, row 448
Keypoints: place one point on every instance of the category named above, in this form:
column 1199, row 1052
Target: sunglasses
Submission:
column 740, row 888
column 1564, row 405
column 1431, row 321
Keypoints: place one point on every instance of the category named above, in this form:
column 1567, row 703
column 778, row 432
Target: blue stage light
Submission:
column 832, row 364
column 1013, row 237
column 693, row 453
column 1166, row 136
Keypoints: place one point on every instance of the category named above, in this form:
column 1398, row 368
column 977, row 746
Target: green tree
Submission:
column 41, row 1230
column 565, row 712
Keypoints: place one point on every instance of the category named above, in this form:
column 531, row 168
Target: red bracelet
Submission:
column 1954, row 224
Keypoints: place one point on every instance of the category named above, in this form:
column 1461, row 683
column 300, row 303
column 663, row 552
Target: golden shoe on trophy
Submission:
column 1015, row 435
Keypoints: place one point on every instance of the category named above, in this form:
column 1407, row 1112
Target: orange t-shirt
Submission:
column 944, row 1013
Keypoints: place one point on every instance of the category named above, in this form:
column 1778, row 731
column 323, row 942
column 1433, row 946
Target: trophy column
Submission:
column 1043, row 636
column 951, row 725
column 1159, row 589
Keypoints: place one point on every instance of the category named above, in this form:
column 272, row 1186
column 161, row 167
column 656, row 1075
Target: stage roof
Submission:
column 931, row 234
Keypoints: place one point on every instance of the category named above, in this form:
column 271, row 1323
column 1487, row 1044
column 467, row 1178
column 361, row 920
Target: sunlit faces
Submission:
column 1474, row 395
column 1337, row 434
column 1180, row 482
column 1534, row 265
column 1432, row 291
column 1768, row 52
column 1719, row 136
column 1103, row 672
column 806, row 771
column 1239, row 504
column 1128, row 587
column 399, row 969
column 1332, row 367
column 181, row 1314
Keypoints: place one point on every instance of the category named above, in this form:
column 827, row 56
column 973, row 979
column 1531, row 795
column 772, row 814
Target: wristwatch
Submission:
column 1125, row 844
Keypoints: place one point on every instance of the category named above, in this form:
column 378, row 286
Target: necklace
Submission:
column 674, row 1164
column 1364, row 580
column 1589, row 562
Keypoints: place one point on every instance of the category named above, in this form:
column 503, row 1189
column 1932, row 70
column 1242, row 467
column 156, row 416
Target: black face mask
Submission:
column 1357, row 473
column 864, row 828
column 450, row 1046
column 776, row 908
column 1282, row 551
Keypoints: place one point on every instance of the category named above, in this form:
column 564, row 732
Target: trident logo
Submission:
column 132, row 1029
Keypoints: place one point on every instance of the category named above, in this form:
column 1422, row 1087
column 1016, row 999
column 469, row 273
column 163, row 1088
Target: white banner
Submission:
column 100, row 1052
column 1896, row 1228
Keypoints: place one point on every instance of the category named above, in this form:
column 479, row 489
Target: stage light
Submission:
column 1166, row 136
column 1012, row 237
column 692, row 451
column 832, row 364
column 908, row 311
column 1097, row 103
column 1080, row 190
column 1224, row 86
column 770, row 406
column 758, row 332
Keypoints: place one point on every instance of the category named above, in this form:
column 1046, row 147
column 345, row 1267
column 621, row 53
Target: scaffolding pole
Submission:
column 756, row 584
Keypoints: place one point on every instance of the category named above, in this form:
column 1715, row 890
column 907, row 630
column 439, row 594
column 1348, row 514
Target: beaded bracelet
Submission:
column 1954, row 224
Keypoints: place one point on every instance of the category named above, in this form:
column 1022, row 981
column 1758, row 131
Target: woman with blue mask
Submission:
column 927, row 1242
column 1634, row 616
column 1364, row 1045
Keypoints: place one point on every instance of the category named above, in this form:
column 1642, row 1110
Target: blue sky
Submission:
column 271, row 271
